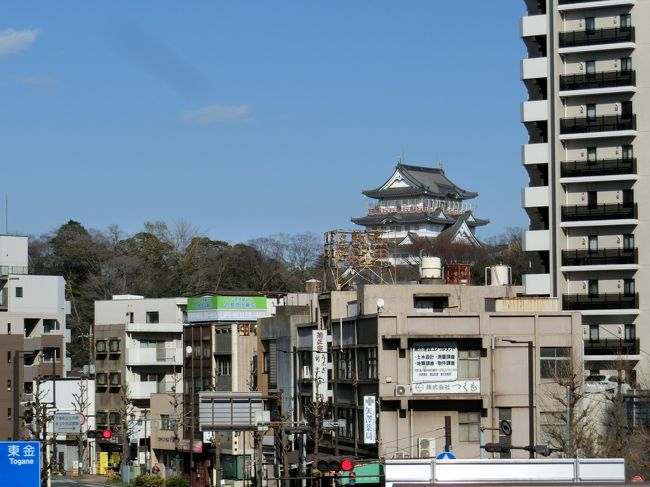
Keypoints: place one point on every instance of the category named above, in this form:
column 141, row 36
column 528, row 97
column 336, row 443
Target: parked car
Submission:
column 604, row 383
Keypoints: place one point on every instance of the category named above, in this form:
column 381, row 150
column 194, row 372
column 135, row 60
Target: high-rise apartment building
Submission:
column 588, row 117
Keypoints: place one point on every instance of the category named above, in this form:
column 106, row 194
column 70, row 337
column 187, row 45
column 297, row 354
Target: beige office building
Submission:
column 587, row 117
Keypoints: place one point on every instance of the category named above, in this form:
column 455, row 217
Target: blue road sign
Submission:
column 20, row 463
column 446, row 455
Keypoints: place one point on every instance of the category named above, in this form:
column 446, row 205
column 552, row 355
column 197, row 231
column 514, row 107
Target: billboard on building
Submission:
column 434, row 370
column 369, row 420
column 226, row 308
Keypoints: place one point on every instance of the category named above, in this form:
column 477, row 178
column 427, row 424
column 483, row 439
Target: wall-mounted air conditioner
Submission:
column 403, row 390
column 426, row 447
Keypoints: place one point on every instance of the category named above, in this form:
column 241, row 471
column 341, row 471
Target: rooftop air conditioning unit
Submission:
column 426, row 447
column 403, row 390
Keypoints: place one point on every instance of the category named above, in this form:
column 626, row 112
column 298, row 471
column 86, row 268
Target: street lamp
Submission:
column 531, row 416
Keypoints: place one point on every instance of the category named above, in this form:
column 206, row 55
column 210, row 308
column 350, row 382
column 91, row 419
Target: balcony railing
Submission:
column 596, row 36
column 600, row 257
column 608, row 211
column 604, row 79
column 600, row 167
column 604, row 123
column 610, row 346
column 578, row 302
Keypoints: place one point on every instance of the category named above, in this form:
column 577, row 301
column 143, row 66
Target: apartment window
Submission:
column 590, row 25
column 628, row 198
column 207, row 349
column 19, row 292
column 505, row 414
column 114, row 419
column 8, row 413
column 130, row 316
column 554, row 362
column 28, row 387
column 626, row 21
column 592, row 199
column 367, row 363
column 152, row 317
column 50, row 354
column 591, row 111
column 591, row 155
column 102, row 378
column 594, row 333
column 114, row 378
column 626, row 64
column 469, row 364
column 626, row 109
column 345, row 364
column 430, row 303
column 592, row 287
column 469, row 425
column 101, row 418
column 590, row 68
column 627, row 153
column 113, row 345
column 628, row 241
column 8, row 384
column 50, row 325
column 628, row 287
column 630, row 332
column 164, row 422
column 593, row 243
column 223, row 364
column 100, row 346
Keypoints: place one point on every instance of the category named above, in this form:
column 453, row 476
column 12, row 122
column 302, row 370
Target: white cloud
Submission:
column 217, row 114
column 38, row 81
column 12, row 41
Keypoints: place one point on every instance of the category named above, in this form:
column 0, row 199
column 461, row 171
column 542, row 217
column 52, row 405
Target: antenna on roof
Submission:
column 400, row 158
column 440, row 166
column 6, row 213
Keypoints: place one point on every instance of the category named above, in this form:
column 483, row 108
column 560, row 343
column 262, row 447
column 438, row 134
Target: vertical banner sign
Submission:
column 319, row 365
column 434, row 361
column 369, row 420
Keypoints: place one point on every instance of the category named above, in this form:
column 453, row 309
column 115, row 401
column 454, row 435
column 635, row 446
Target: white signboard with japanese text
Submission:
column 319, row 365
column 434, row 362
column 450, row 387
column 369, row 420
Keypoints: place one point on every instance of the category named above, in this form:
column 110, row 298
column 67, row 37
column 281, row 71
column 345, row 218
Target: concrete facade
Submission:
column 32, row 321
column 379, row 334
column 586, row 64
column 138, row 352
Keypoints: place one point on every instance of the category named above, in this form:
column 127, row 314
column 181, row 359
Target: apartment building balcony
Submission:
column 604, row 81
column 537, row 284
column 534, row 68
column 609, row 35
column 584, row 4
column 536, row 240
column 602, row 354
column 534, row 111
column 606, row 211
column 600, row 257
column 598, row 125
column 604, row 301
column 599, row 167
column 144, row 390
column 535, row 197
column 154, row 356
column 534, row 154
column 533, row 26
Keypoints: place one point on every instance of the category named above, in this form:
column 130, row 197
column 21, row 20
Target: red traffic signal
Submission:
column 107, row 434
column 347, row 465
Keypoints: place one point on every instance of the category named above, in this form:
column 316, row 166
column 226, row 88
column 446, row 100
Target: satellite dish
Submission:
column 380, row 303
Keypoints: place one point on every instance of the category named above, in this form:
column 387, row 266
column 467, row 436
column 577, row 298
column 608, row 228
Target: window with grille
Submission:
column 223, row 364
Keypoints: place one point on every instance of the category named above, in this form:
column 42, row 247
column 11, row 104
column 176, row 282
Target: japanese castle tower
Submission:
column 420, row 202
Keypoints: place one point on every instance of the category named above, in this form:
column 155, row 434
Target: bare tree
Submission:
column 81, row 402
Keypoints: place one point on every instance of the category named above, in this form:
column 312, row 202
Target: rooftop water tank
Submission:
column 500, row 275
column 431, row 268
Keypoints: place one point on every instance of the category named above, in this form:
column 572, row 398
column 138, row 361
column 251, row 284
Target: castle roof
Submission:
column 410, row 181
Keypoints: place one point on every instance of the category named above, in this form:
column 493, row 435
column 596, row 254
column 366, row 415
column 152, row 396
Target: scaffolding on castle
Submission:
column 356, row 256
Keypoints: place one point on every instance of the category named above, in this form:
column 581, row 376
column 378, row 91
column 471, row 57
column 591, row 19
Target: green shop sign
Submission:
column 243, row 303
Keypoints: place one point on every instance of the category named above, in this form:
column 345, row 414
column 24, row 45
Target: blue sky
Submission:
column 253, row 118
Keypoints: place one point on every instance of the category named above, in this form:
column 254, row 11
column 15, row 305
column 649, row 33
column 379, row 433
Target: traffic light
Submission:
column 497, row 448
column 335, row 464
column 104, row 434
